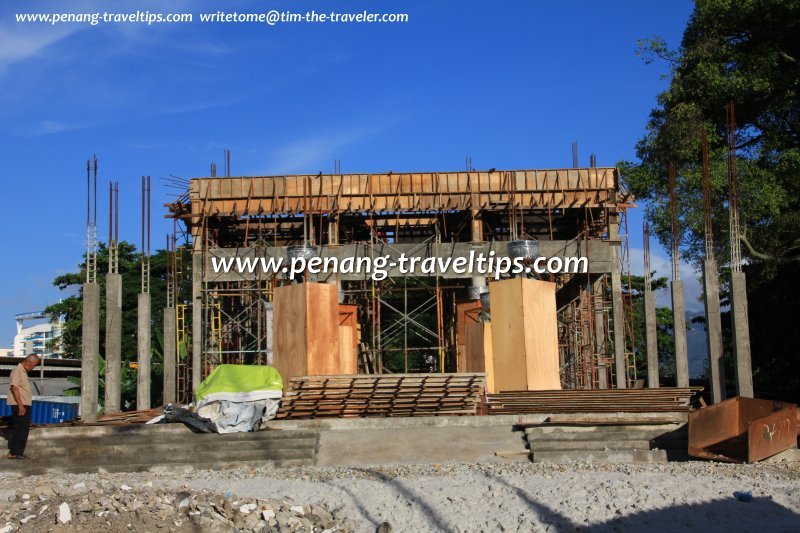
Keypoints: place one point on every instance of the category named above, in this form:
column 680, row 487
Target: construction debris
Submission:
column 592, row 401
column 382, row 395
column 104, row 509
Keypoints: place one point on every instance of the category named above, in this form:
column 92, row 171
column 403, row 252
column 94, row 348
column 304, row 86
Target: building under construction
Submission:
column 404, row 323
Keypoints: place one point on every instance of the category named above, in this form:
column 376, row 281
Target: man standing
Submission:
column 20, row 401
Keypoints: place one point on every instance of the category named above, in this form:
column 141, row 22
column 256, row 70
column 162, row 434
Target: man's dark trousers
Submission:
column 19, row 430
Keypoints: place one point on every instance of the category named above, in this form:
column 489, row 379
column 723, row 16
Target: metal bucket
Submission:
column 306, row 251
column 474, row 292
column 523, row 249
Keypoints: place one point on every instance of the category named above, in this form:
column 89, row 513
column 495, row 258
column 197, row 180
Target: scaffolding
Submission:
column 406, row 321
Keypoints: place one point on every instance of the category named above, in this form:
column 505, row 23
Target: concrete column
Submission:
column 90, row 350
column 143, row 349
column 679, row 334
column 716, row 366
column 600, row 335
column 170, row 357
column 113, row 342
column 197, row 314
column 741, row 335
column 651, row 339
column 268, row 314
column 618, row 317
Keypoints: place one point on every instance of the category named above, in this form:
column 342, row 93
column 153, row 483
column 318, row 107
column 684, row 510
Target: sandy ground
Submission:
column 691, row 496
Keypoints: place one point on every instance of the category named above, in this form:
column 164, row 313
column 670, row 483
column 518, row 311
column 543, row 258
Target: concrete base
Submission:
column 170, row 359
column 651, row 339
column 420, row 445
column 113, row 343
column 716, row 365
column 741, row 335
column 605, row 456
column 679, row 333
column 90, row 351
column 143, row 349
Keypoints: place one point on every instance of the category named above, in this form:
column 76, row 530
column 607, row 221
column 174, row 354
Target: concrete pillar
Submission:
column 170, row 357
column 113, row 342
column 679, row 334
column 197, row 314
column 741, row 335
column 90, row 351
column 143, row 349
column 716, row 366
column 618, row 318
column 600, row 335
column 268, row 314
column 651, row 339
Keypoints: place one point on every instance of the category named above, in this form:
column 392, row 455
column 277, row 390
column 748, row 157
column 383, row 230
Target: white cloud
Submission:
column 19, row 42
column 306, row 155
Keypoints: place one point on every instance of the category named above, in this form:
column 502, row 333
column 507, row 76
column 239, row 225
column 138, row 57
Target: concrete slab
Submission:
column 417, row 445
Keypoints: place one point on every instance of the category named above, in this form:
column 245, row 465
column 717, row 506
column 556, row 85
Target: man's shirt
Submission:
column 19, row 377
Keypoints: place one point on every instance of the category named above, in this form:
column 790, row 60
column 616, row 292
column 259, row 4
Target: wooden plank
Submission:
column 479, row 356
column 289, row 327
column 508, row 344
column 306, row 326
column 322, row 328
column 348, row 359
column 541, row 334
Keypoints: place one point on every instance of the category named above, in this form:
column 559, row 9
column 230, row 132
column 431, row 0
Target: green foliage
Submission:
column 747, row 52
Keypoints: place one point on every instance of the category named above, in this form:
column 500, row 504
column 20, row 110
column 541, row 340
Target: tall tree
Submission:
column 747, row 52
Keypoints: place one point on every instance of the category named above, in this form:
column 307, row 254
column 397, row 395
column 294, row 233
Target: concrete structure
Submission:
column 39, row 339
column 144, row 349
column 741, row 335
column 621, row 371
column 170, row 359
column 90, row 351
column 679, row 333
column 651, row 338
column 113, row 342
column 716, row 364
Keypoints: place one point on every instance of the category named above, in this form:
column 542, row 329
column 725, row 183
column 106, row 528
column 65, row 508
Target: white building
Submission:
column 40, row 339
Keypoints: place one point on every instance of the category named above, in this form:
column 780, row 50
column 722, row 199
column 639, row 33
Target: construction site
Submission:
column 408, row 369
column 414, row 341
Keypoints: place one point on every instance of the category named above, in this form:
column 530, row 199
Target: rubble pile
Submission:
column 122, row 508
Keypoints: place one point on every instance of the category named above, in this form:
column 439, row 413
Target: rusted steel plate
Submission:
column 772, row 434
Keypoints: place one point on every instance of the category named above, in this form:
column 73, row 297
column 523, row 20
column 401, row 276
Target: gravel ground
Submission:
column 465, row 497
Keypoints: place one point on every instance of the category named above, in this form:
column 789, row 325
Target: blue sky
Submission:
column 510, row 84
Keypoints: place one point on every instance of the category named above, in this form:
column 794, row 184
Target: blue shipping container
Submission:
column 46, row 412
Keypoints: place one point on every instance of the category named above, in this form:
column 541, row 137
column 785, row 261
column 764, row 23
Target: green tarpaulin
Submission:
column 241, row 383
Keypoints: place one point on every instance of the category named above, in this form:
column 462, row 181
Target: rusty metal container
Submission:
column 742, row 430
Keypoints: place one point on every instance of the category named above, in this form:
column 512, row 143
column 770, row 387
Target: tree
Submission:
column 70, row 309
column 747, row 52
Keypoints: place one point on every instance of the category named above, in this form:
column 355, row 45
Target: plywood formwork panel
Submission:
column 348, row 358
column 525, row 335
column 478, row 348
column 306, row 330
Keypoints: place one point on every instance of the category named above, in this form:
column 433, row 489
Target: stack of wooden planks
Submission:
column 664, row 399
column 382, row 395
